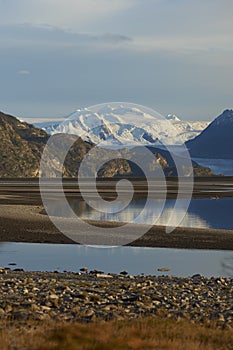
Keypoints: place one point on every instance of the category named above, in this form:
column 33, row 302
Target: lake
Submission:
column 203, row 212
column 218, row 166
column 60, row 257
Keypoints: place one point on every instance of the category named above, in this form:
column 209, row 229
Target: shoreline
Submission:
column 26, row 223
column 22, row 217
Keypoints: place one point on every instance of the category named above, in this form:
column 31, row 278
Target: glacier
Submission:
column 120, row 124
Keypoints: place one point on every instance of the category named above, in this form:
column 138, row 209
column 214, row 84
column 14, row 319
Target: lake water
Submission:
column 202, row 213
column 181, row 262
column 218, row 166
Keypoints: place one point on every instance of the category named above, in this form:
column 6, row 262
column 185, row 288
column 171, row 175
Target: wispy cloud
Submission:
column 24, row 72
column 47, row 35
column 179, row 26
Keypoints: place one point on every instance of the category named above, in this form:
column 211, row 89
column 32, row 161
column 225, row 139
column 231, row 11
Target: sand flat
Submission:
column 27, row 223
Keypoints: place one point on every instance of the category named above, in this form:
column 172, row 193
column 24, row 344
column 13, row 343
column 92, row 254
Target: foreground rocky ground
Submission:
column 83, row 296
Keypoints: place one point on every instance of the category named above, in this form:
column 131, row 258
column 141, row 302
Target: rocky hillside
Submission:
column 22, row 145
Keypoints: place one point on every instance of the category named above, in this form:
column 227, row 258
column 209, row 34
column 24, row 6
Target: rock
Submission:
column 124, row 273
column 197, row 275
column 35, row 307
column 87, row 313
column 45, row 308
column 53, row 296
column 163, row 269
column 84, row 269
column 221, row 318
column 76, row 309
column 8, row 308
column 96, row 271
column 102, row 275
column 72, row 297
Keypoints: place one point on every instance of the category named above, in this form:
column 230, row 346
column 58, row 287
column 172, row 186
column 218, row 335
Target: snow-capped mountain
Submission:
column 123, row 125
column 187, row 130
column 216, row 140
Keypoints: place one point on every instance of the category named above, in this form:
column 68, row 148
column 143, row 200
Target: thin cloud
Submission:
column 24, row 72
column 25, row 35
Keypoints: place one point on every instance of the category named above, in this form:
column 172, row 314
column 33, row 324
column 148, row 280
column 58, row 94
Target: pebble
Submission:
column 102, row 275
column 95, row 296
column 124, row 273
column 84, row 269
column 163, row 269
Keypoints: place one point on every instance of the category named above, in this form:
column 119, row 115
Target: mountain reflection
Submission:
column 131, row 213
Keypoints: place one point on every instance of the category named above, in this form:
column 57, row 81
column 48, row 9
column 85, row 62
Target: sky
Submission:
column 175, row 56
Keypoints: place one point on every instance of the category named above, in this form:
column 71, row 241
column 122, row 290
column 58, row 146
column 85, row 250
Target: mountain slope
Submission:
column 20, row 147
column 216, row 141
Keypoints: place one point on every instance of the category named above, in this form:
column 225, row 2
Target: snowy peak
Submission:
column 173, row 118
column 120, row 124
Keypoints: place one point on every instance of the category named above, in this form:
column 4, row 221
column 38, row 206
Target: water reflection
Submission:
column 218, row 166
column 202, row 213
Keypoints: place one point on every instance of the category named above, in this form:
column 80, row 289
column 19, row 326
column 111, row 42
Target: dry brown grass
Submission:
column 143, row 334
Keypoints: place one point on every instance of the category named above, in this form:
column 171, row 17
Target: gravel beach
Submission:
column 93, row 296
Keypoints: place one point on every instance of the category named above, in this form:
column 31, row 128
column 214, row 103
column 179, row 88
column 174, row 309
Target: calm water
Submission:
column 218, row 166
column 182, row 262
column 212, row 213
column 204, row 212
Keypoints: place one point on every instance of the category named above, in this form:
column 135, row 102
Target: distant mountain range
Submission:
column 130, row 126
column 124, row 125
column 216, row 141
column 22, row 145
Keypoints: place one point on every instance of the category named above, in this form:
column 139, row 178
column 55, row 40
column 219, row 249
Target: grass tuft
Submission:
column 144, row 333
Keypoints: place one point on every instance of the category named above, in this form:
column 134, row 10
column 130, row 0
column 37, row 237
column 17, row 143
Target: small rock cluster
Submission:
column 84, row 296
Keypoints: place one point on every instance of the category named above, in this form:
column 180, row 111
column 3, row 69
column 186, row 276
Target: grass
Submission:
column 145, row 333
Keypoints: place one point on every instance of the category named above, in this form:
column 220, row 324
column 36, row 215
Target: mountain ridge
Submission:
column 119, row 122
column 22, row 146
column 216, row 141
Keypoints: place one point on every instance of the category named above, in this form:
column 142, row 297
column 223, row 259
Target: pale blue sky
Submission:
column 175, row 56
